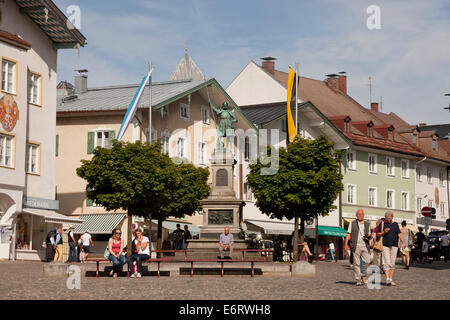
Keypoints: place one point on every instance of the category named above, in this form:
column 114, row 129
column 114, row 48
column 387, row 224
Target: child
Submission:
column 424, row 250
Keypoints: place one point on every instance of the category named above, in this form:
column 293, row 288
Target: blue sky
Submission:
column 408, row 58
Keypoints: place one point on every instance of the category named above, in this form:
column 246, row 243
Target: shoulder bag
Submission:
column 378, row 247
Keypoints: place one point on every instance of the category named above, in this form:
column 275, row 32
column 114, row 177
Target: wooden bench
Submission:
column 191, row 261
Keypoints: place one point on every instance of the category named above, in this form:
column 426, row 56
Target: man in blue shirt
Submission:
column 226, row 243
column 391, row 234
column 58, row 246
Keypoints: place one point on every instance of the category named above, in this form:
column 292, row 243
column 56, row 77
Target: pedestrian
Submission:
column 391, row 234
column 407, row 238
column 87, row 243
column 377, row 256
column 332, row 251
column 80, row 251
column 186, row 237
column 142, row 253
column 178, row 235
column 115, row 247
column 444, row 245
column 226, row 242
column 419, row 240
column 358, row 235
column 72, row 247
column 424, row 250
column 58, row 246
column 50, row 250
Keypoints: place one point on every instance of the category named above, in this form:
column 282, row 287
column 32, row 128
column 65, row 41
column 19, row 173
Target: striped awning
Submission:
column 99, row 223
column 51, row 216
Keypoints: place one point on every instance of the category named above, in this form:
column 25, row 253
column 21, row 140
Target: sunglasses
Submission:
column 118, row 232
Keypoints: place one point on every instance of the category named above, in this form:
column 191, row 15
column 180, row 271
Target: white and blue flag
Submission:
column 133, row 106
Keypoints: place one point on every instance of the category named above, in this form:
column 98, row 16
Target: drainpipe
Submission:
column 424, row 158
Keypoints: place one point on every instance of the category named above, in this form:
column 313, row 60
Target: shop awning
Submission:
column 269, row 227
column 99, row 223
column 171, row 226
column 52, row 216
column 332, row 231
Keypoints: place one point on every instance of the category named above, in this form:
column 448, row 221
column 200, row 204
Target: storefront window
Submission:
column 23, row 232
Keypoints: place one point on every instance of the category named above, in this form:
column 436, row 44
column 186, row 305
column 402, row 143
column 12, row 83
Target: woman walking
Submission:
column 115, row 247
column 407, row 239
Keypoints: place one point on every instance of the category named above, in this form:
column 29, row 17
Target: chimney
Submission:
column 342, row 82
column 374, row 106
column 268, row 64
column 81, row 81
column 332, row 81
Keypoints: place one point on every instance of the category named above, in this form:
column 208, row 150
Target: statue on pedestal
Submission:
column 226, row 127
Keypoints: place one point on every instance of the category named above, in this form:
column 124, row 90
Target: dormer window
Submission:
column 369, row 131
column 390, row 135
column 414, row 139
column 434, row 144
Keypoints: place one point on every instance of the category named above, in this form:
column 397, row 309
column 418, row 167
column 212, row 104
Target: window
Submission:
column 372, row 196
column 372, row 163
column 419, row 206
column 405, row 200
column 248, row 195
column 430, row 203
column 433, row 144
column 390, row 135
column 351, row 160
column 390, row 163
column 441, row 178
column 346, row 126
column 205, row 115
column 103, row 139
column 32, row 158
column 184, row 111
column 414, row 138
column 442, row 209
column 180, row 148
column 418, row 173
column 34, row 88
column 390, row 199
column 405, row 168
column 429, row 174
column 247, row 148
column 8, row 76
column 201, row 153
column 283, row 125
column 351, row 194
column 6, row 150
column 165, row 142
column 369, row 131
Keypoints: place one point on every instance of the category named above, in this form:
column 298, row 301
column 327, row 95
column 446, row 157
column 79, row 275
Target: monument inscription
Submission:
column 221, row 178
column 220, row 216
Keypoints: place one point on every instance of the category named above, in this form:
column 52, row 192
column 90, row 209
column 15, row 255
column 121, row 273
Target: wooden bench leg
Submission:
column 192, row 269
column 98, row 266
column 222, row 268
column 253, row 270
column 159, row 268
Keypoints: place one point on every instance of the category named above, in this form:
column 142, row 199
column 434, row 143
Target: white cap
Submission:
column 87, row 231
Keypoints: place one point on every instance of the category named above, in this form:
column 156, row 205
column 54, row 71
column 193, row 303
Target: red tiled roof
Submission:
column 9, row 37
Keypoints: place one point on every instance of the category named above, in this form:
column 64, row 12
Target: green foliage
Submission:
column 140, row 178
column 307, row 182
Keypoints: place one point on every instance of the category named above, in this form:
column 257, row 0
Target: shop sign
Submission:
column 39, row 203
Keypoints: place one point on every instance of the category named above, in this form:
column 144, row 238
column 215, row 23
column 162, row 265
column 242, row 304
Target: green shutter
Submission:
column 90, row 142
column 57, row 144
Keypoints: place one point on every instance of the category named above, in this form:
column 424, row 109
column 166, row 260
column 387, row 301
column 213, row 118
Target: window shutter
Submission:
column 90, row 142
column 57, row 144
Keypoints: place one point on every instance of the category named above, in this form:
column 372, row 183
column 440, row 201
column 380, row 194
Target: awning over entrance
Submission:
column 171, row 226
column 52, row 216
column 269, row 227
column 99, row 223
column 332, row 231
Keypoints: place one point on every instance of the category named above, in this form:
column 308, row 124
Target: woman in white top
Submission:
column 142, row 252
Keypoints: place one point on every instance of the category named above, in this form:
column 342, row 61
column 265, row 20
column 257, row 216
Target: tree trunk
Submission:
column 295, row 246
column 302, row 230
column 159, row 244
column 129, row 232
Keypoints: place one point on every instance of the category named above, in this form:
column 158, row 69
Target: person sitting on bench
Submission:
column 142, row 253
column 226, row 243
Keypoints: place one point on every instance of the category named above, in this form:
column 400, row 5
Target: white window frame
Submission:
column 419, row 206
column 375, row 168
column 375, row 197
column 29, row 158
column 201, row 153
column 353, row 195
column 248, row 195
column 393, row 199
column 34, row 88
column 402, row 161
column 181, row 147
column 6, row 75
column 104, row 140
column 419, row 173
column 406, row 206
column 392, row 174
column 429, row 177
column 206, row 115
column 165, row 138
column 442, row 209
column 351, row 165
column 5, row 140
column 184, row 115
column 441, row 178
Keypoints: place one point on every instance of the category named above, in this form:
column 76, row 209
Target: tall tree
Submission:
column 305, row 186
column 140, row 179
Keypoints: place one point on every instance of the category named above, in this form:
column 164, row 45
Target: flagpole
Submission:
column 296, row 96
column 150, row 103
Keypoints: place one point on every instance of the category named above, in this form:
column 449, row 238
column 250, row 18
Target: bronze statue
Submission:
column 225, row 127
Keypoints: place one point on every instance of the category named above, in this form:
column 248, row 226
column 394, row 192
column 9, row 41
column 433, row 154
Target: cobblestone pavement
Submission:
column 25, row 280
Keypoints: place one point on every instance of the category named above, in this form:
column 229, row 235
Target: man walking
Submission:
column 226, row 243
column 86, row 241
column 358, row 232
column 444, row 245
column 419, row 241
column 391, row 234
column 72, row 247
column 332, row 252
column 58, row 246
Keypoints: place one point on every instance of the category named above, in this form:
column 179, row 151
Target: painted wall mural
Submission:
column 9, row 112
